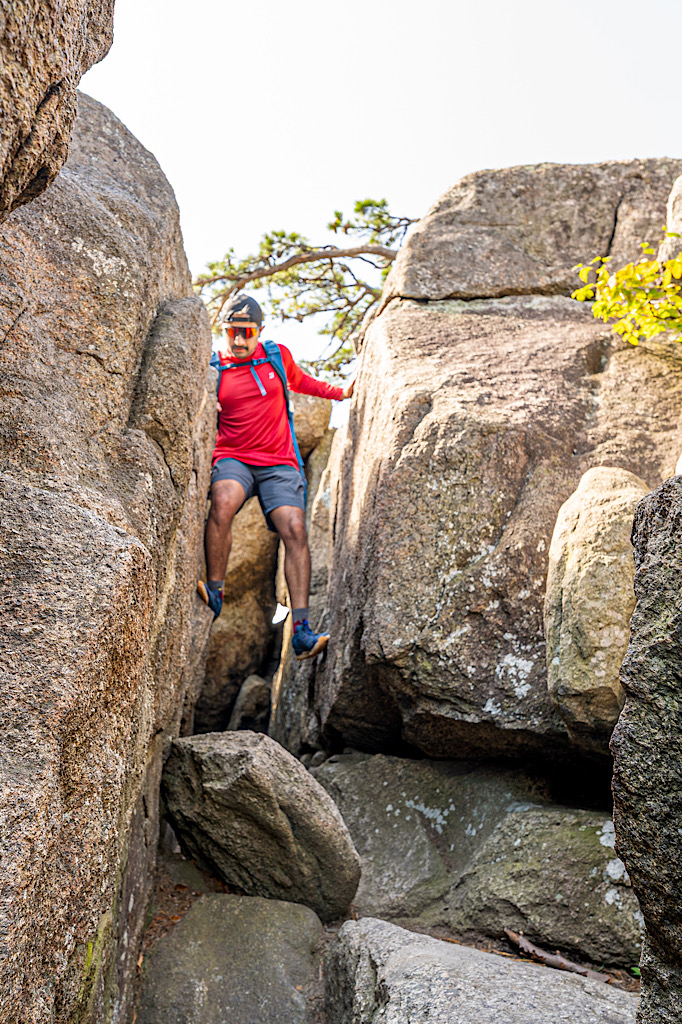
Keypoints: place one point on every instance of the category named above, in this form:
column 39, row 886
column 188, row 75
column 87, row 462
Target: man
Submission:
column 256, row 453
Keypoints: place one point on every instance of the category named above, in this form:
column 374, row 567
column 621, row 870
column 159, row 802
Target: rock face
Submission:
column 445, row 844
column 646, row 746
column 472, row 422
column 45, row 49
column 243, row 632
column 232, row 794
column 520, row 231
column 589, row 602
column 376, row 972
column 552, row 874
column 236, row 959
column 104, row 438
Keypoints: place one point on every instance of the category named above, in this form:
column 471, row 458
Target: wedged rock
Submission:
column 521, row 230
column 293, row 722
column 589, row 601
column 251, row 813
column 252, row 707
column 417, row 825
column 44, row 50
column 472, row 423
column 105, row 430
column 311, row 420
column 552, row 874
column 376, row 972
column 647, row 749
column 241, row 634
column 233, row 958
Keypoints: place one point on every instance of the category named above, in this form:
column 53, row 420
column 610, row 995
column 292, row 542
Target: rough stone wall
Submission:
column 474, row 419
column 647, row 784
column 105, row 433
column 45, row 48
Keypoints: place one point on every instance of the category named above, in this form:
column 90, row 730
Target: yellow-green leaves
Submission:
column 643, row 298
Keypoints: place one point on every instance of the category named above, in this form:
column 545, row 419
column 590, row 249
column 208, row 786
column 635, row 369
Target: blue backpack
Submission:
column 274, row 357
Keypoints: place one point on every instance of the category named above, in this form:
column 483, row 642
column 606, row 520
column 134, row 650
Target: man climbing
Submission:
column 256, row 453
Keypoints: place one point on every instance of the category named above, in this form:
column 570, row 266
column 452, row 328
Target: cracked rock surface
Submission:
column 647, row 785
column 105, row 430
column 45, row 48
column 472, row 422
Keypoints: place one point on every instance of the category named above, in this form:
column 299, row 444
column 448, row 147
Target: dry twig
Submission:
column 553, row 959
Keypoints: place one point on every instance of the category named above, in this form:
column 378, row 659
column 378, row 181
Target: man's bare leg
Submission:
column 290, row 523
column 227, row 497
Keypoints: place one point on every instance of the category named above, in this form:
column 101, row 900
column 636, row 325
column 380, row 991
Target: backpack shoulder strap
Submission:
column 274, row 355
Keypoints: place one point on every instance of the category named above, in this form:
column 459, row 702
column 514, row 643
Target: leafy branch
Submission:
column 302, row 280
column 643, row 297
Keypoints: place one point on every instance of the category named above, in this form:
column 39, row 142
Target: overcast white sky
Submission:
column 273, row 114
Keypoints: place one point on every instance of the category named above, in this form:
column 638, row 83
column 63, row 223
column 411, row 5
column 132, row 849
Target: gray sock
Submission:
column 298, row 615
column 215, row 585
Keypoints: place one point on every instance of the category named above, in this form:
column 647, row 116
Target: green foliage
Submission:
column 643, row 298
column 301, row 279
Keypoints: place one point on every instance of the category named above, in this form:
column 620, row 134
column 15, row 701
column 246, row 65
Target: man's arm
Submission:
column 304, row 384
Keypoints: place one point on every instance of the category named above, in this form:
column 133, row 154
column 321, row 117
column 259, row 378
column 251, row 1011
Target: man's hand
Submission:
column 348, row 390
column 219, row 407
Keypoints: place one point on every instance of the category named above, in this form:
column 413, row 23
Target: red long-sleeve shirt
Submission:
column 254, row 428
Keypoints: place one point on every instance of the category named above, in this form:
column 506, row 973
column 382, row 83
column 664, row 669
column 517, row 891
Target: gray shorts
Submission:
column 274, row 485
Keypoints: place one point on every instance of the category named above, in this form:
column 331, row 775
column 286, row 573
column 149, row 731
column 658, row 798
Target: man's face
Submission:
column 241, row 338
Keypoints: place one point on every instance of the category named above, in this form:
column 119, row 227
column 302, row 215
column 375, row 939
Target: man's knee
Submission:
column 224, row 506
column 292, row 530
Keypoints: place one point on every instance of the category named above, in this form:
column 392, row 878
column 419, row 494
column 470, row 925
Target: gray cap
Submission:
column 242, row 307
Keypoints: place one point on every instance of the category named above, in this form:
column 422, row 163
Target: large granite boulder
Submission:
column 476, row 850
column 552, row 874
column 647, row 748
column 472, row 422
column 377, row 973
column 44, row 50
column 417, row 825
column 521, row 230
column 233, row 958
column 105, row 430
column 249, row 812
column 311, row 420
column 589, row 601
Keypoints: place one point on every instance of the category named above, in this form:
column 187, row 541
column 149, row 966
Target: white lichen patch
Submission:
column 616, row 871
column 517, row 670
column 491, row 708
column 607, row 835
column 435, row 815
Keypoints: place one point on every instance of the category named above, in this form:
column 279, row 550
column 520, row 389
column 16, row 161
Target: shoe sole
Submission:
column 202, row 591
column 322, row 642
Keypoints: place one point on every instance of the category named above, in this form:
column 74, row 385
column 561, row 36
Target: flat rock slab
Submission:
column 377, row 972
column 249, row 812
column 233, row 960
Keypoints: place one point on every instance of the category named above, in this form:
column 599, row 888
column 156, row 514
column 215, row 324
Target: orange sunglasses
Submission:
column 244, row 332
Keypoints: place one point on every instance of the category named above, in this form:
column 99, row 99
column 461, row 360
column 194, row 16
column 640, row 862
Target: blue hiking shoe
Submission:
column 307, row 644
column 213, row 598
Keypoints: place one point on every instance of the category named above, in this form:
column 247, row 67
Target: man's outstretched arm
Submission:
column 304, row 384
